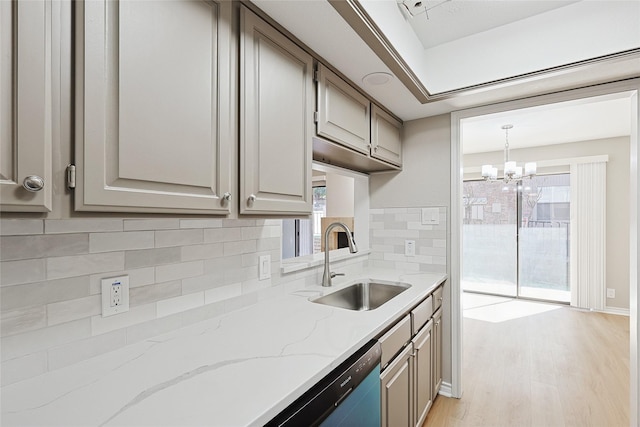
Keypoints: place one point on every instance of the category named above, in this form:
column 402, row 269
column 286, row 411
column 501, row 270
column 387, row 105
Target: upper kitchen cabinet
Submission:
column 154, row 106
column 276, row 121
column 25, row 106
column 386, row 143
column 353, row 132
column 343, row 113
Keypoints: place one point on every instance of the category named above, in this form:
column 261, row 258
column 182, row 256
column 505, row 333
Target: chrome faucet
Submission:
column 327, row 276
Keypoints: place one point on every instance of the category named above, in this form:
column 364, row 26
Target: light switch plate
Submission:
column 115, row 295
column 430, row 216
column 264, row 267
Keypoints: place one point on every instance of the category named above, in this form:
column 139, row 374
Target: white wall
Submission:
column 340, row 191
column 617, row 228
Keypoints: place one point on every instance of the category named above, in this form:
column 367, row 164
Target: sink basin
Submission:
column 363, row 296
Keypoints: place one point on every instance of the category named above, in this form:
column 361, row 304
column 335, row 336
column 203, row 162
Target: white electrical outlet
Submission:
column 410, row 248
column 115, row 295
column 430, row 216
column 264, row 267
column 611, row 293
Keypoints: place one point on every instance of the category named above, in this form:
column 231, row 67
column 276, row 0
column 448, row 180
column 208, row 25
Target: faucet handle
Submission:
column 336, row 274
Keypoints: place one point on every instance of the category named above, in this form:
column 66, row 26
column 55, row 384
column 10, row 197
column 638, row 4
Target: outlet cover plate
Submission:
column 410, row 248
column 611, row 293
column 108, row 308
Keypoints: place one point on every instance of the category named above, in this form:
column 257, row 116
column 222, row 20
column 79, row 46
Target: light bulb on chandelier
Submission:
column 512, row 172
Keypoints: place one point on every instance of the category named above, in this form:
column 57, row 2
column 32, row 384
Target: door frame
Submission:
column 633, row 87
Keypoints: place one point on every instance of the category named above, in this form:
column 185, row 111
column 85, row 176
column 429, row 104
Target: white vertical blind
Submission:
column 588, row 243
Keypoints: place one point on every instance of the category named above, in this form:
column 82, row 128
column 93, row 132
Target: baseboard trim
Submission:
column 618, row 311
column 445, row 389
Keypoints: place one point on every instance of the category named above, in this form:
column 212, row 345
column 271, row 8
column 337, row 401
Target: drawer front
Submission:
column 421, row 314
column 437, row 298
column 393, row 341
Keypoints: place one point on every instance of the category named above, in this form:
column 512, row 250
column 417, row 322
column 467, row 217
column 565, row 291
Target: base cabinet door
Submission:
column 422, row 350
column 26, row 106
column 397, row 391
column 276, row 121
column 154, row 107
column 437, row 352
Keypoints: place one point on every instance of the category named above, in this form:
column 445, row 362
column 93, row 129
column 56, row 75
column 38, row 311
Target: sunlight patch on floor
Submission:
column 499, row 309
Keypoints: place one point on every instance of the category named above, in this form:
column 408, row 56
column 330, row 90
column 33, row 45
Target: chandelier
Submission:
column 512, row 172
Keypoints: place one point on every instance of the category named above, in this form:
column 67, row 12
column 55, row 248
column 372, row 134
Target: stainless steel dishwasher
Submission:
column 348, row 396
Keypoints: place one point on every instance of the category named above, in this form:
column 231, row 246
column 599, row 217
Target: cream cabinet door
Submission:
column 396, row 392
column 386, row 142
column 154, row 106
column 343, row 112
column 422, row 351
column 276, row 121
column 25, row 106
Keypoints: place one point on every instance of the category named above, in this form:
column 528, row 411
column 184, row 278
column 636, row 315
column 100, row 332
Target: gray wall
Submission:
column 424, row 181
column 617, row 197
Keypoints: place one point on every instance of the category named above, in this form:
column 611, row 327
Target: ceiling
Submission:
column 582, row 120
column 482, row 27
column 439, row 22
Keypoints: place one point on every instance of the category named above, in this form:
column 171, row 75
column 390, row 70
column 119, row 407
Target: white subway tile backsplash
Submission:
column 151, row 257
column 24, row 271
column 166, row 238
column 41, row 246
column 219, row 235
column 23, row 320
column 240, row 247
column 202, row 283
column 200, row 223
column 65, row 311
column 42, row 293
column 222, row 293
column 181, row 303
column 151, row 224
column 201, row 252
column 79, row 265
column 137, row 277
column 156, row 292
column 53, row 226
column 130, row 240
column 166, row 273
column 138, row 314
column 21, row 227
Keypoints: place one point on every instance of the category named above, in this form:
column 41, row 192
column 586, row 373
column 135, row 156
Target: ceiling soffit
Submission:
column 359, row 19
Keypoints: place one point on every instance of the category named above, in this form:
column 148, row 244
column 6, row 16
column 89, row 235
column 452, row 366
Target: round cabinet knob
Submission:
column 251, row 199
column 226, row 197
column 33, row 183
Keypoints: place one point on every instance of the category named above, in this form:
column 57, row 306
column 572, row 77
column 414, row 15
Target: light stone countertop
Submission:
column 238, row 369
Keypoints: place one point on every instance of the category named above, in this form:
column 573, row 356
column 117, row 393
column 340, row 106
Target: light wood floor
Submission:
column 563, row 367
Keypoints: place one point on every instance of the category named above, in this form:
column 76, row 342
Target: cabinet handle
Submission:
column 33, row 183
column 251, row 199
column 226, row 197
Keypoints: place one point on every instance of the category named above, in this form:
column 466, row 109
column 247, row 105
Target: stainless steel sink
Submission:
column 363, row 296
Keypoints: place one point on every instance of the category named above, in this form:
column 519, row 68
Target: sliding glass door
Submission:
column 516, row 238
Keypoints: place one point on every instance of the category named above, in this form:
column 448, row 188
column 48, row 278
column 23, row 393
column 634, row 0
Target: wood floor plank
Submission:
column 557, row 366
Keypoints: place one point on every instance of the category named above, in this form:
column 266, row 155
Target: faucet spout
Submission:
column 353, row 248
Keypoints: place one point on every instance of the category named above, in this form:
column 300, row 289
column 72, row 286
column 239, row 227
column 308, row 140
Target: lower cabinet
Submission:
column 411, row 365
column 396, row 392
column 423, row 385
column 437, row 352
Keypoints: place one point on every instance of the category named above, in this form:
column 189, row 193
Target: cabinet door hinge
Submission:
column 71, row 176
column 315, row 116
column 316, row 75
